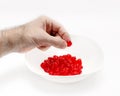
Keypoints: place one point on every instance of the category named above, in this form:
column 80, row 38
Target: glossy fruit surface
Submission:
column 62, row 65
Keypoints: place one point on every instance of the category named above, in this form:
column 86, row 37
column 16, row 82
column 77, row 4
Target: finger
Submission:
column 58, row 28
column 43, row 48
column 57, row 42
column 64, row 34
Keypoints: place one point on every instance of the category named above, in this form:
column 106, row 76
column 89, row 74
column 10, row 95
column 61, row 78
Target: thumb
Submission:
column 57, row 42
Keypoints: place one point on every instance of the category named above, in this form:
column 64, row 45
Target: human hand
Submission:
column 42, row 33
column 45, row 32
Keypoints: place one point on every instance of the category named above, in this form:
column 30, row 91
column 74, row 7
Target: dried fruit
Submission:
column 69, row 43
column 62, row 65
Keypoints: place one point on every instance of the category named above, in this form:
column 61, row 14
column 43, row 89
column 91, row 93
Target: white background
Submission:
column 97, row 19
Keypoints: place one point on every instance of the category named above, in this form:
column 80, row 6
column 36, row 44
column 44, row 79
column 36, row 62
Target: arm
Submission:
column 42, row 33
column 12, row 40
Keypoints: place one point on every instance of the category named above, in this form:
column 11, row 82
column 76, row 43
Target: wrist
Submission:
column 11, row 40
column 5, row 44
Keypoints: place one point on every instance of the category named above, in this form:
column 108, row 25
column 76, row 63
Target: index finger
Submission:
column 59, row 29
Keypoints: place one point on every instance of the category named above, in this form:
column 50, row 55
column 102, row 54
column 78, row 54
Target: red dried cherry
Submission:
column 69, row 43
column 62, row 65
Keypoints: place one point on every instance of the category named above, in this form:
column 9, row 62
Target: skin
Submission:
column 42, row 33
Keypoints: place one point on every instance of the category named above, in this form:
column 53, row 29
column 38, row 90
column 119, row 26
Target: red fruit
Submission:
column 62, row 65
column 69, row 43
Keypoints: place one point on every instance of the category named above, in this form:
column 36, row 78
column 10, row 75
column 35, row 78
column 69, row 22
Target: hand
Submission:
column 45, row 32
column 41, row 33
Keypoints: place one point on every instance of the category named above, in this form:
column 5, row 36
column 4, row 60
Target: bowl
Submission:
column 83, row 47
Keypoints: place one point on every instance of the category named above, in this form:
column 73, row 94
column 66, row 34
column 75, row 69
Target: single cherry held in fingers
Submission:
column 69, row 43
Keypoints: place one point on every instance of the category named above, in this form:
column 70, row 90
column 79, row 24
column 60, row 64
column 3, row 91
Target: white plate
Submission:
column 82, row 47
